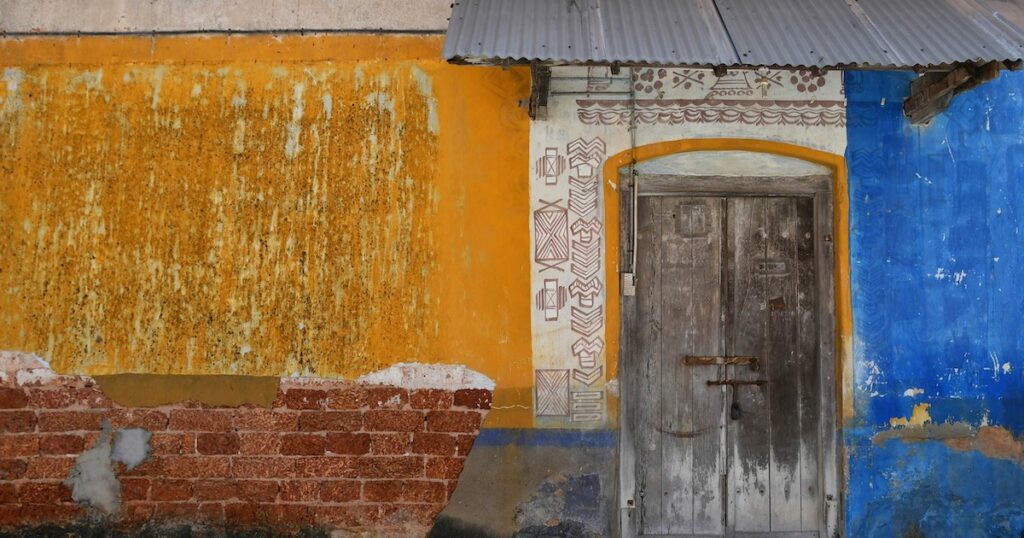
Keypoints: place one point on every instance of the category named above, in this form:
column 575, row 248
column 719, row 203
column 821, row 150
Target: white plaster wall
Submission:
column 41, row 16
column 589, row 117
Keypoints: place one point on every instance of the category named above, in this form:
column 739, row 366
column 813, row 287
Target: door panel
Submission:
column 716, row 278
column 749, row 507
column 679, row 246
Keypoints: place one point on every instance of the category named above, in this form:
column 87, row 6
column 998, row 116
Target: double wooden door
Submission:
column 724, row 386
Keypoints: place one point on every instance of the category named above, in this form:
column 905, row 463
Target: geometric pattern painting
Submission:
column 597, row 113
column 552, row 388
column 550, row 223
column 568, row 235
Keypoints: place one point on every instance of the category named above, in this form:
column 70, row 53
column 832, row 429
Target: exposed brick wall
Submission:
column 328, row 454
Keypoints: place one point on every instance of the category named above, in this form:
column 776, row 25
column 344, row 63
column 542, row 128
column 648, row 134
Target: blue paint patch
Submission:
column 539, row 437
column 937, row 255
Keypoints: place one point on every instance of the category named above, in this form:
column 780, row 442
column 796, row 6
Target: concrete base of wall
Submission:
column 528, row 483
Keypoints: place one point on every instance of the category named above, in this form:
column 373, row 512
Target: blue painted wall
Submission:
column 937, row 247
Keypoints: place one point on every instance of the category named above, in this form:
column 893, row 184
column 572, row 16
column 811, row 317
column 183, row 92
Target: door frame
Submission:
column 820, row 189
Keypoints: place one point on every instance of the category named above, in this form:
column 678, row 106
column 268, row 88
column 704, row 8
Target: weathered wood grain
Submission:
column 648, row 344
column 750, row 508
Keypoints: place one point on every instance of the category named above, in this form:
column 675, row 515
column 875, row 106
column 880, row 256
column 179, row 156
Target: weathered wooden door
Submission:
column 724, row 388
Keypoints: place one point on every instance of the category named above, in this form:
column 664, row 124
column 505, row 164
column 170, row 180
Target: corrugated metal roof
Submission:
column 794, row 33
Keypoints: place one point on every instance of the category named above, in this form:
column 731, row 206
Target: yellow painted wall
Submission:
column 266, row 205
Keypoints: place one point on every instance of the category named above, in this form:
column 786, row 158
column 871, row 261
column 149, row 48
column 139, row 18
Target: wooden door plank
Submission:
column 807, row 359
column 749, row 498
column 648, row 352
column 781, row 367
column 708, row 402
column 829, row 430
column 682, row 220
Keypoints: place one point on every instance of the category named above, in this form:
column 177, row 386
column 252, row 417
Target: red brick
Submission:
column 63, row 421
column 11, row 398
column 43, row 398
column 10, row 515
column 201, row 420
column 444, row 468
column 346, row 398
column 340, row 515
column 49, row 467
column 12, row 469
column 382, row 420
column 171, row 490
column 473, row 398
column 464, row 444
column 147, row 419
column 51, row 513
column 211, row 512
column 382, row 490
column 340, row 491
column 389, row 466
column 44, row 492
column 390, row 443
column 259, row 443
column 303, row 444
column 339, row 421
column 61, row 444
column 265, row 420
column 257, row 490
column 424, row 491
column 287, row 515
column 134, row 489
column 300, row 490
column 18, row 445
column 17, row 421
column 452, row 485
column 348, row 443
column 177, row 511
column 386, row 397
column 305, row 399
column 263, row 467
column 197, row 466
column 431, row 399
column 173, row 443
column 154, row 466
column 217, row 443
column 8, row 493
column 215, row 490
column 241, row 514
column 453, row 421
column 434, row 444
column 326, row 467
column 136, row 513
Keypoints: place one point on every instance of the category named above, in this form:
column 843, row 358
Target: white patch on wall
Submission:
column 589, row 118
column 414, row 376
column 912, row 393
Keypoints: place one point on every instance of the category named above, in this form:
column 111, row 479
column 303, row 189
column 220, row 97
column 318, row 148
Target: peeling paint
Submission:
column 919, row 417
column 92, row 480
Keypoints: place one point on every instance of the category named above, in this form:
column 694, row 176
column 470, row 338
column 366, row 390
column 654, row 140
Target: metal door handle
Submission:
column 736, row 382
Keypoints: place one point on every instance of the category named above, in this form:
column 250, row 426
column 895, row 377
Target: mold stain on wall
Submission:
column 250, row 218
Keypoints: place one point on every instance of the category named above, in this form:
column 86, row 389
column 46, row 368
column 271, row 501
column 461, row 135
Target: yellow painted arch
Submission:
column 840, row 224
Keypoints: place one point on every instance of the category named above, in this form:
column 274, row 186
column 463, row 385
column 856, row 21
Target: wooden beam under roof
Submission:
column 932, row 92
